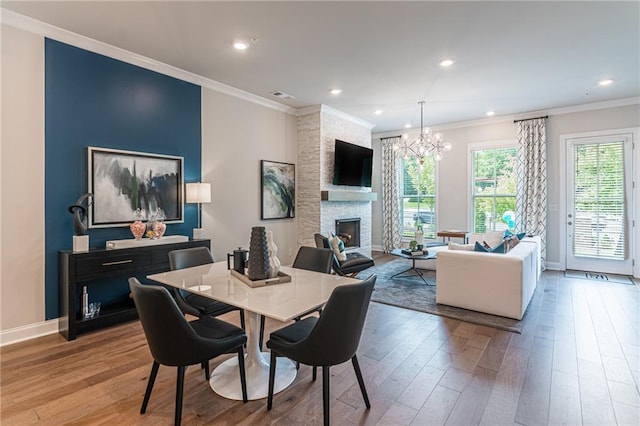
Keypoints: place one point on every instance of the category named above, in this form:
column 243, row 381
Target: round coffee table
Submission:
column 413, row 258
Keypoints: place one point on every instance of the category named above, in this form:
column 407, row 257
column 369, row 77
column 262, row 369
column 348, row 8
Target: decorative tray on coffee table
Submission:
column 281, row 278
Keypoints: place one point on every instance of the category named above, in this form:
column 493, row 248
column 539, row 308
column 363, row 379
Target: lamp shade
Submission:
column 198, row 192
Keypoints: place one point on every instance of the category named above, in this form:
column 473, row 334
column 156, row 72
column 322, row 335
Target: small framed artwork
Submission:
column 124, row 181
column 278, row 190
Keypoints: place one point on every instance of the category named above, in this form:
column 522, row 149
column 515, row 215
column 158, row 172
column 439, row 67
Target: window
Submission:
column 493, row 189
column 417, row 192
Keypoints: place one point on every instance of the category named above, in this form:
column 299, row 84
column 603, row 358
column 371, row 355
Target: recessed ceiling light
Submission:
column 446, row 62
column 240, row 45
column 490, row 113
column 407, row 126
column 377, row 112
column 605, row 82
column 336, row 91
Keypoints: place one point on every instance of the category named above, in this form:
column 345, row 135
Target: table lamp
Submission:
column 198, row 192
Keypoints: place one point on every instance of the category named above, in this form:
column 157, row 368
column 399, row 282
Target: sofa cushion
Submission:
column 456, row 246
column 493, row 238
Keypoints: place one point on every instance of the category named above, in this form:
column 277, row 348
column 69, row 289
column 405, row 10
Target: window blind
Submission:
column 599, row 203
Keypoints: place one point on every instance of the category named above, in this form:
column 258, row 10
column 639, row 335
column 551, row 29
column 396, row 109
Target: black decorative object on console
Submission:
column 80, row 214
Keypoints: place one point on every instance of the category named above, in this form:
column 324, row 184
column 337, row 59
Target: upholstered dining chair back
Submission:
column 186, row 258
column 194, row 304
column 314, row 259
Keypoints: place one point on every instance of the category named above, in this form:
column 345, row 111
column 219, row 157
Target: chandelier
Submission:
column 424, row 145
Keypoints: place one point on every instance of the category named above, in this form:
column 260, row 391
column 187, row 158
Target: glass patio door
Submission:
column 598, row 204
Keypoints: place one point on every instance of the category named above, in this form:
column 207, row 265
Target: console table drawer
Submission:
column 105, row 264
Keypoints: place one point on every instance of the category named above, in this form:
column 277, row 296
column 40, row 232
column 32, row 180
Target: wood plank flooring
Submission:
column 577, row 363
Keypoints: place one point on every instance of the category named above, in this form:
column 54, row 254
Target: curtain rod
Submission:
column 534, row 118
column 391, row 137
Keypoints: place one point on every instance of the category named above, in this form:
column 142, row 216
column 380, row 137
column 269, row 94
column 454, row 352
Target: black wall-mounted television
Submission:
column 352, row 165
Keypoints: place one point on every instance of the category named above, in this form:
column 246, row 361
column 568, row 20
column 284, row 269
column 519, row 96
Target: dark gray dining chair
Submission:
column 191, row 303
column 311, row 259
column 176, row 342
column 329, row 340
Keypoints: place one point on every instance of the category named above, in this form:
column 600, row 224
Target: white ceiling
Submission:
column 510, row 57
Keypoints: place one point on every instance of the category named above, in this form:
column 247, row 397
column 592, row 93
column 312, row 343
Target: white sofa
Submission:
column 498, row 284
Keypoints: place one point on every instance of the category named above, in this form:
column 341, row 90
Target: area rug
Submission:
column 607, row 278
column 410, row 292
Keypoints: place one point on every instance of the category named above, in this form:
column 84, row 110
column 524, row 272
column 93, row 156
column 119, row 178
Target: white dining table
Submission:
column 307, row 291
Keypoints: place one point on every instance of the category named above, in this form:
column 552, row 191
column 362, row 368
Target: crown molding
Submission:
column 520, row 116
column 46, row 30
column 336, row 113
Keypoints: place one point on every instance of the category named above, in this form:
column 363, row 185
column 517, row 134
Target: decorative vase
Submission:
column 258, row 268
column 274, row 262
column 137, row 227
column 151, row 228
column 418, row 235
column 160, row 228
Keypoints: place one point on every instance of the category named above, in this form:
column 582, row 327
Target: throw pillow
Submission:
column 456, row 246
column 479, row 247
column 337, row 245
column 500, row 248
column 521, row 235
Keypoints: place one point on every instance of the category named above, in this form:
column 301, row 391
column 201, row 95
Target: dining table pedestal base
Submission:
column 225, row 378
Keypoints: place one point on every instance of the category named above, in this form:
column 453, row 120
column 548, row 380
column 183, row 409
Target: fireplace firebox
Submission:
column 351, row 228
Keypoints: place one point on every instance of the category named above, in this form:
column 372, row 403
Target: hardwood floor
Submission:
column 577, row 363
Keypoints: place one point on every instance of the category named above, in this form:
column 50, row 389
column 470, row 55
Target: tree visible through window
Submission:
column 494, row 189
column 417, row 191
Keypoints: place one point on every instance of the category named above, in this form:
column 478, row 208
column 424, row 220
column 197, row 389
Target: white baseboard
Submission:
column 554, row 266
column 377, row 248
column 28, row 332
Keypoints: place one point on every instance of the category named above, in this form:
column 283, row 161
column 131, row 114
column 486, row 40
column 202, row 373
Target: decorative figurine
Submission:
column 80, row 214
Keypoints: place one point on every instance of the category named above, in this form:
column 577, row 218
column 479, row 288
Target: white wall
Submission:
column 453, row 209
column 236, row 135
column 22, row 179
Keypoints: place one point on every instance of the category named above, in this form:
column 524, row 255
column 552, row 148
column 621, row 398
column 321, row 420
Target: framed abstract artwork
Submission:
column 124, row 181
column 278, row 190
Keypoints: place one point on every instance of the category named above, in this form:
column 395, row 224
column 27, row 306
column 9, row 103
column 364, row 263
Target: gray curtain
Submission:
column 531, row 193
column 391, row 172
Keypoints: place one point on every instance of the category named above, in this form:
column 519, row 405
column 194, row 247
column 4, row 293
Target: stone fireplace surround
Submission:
column 318, row 128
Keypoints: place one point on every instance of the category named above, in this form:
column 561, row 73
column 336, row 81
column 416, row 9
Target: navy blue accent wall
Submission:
column 93, row 100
